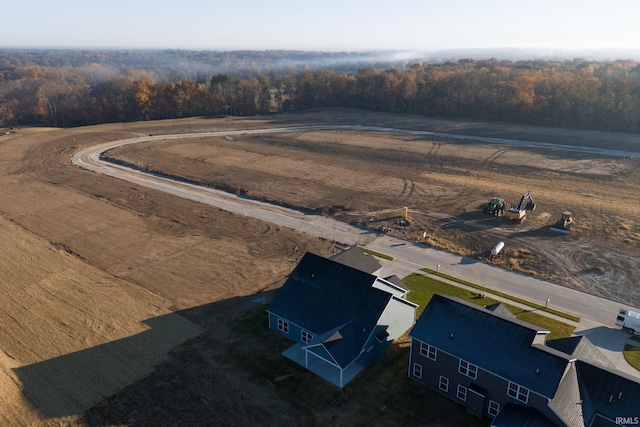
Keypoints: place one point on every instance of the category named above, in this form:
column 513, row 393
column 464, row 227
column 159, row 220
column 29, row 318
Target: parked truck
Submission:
column 629, row 320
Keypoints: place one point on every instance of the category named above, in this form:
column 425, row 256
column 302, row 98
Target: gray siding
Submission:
column 447, row 365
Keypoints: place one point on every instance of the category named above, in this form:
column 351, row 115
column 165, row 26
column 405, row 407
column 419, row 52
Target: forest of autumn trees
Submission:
column 579, row 93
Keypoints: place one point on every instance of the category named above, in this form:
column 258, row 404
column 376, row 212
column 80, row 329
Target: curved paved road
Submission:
column 597, row 314
column 89, row 158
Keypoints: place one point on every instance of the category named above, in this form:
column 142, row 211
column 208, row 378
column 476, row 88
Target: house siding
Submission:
column 295, row 331
column 374, row 351
column 398, row 316
column 446, row 365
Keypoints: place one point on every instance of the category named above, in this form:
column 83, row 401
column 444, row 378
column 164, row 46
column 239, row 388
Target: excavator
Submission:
column 496, row 206
column 518, row 212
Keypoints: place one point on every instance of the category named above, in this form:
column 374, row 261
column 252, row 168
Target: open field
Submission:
column 365, row 178
column 71, row 334
column 95, row 266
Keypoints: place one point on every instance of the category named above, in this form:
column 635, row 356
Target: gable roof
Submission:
column 396, row 281
column 385, row 285
column 607, row 393
column 325, row 297
column 354, row 257
column 342, row 344
column 500, row 309
column 580, row 347
column 502, row 346
column 566, row 402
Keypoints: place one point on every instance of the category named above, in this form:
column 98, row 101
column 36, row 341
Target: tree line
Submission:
column 577, row 94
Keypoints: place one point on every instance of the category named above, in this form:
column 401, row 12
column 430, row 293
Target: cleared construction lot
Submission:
column 95, row 266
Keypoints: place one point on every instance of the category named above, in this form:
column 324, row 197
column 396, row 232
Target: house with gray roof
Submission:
column 504, row 369
column 355, row 257
column 340, row 318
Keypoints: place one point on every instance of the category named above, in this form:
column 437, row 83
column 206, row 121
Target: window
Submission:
column 306, row 337
column 518, row 392
column 494, row 408
column 417, row 370
column 466, row 368
column 461, row 393
column 283, row 325
column 444, row 383
column 428, row 351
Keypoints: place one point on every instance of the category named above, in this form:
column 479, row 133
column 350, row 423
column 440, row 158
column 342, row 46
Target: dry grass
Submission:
column 186, row 258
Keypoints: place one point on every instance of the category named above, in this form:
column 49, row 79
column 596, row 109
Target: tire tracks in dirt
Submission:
column 569, row 258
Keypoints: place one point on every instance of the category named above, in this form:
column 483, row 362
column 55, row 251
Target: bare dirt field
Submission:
column 366, row 178
column 94, row 263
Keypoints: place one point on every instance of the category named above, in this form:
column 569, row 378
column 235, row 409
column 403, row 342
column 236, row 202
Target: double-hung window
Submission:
column 518, row 392
column 461, row 393
column 494, row 408
column 417, row 370
column 444, row 383
column 283, row 325
column 428, row 351
column 466, row 368
column 306, row 337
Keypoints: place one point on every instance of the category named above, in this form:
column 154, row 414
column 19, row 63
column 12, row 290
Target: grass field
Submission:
column 423, row 288
column 503, row 295
column 632, row 355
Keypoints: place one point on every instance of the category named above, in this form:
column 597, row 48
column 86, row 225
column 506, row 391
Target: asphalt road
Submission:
column 597, row 314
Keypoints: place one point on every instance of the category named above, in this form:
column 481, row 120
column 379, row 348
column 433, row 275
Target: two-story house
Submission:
column 502, row 368
column 341, row 318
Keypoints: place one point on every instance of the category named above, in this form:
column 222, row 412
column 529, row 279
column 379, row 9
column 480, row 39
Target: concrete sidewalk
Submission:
column 597, row 314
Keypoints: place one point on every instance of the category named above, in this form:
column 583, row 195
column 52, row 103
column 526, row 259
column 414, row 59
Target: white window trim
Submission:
column 306, row 336
column 470, row 370
column 517, row 392
column 283, row 325
column 462, row 390
column 443, row 384
column 417, row 370
column 494, row 408
column 428, row 351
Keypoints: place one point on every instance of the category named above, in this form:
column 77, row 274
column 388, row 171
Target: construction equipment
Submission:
column 518, row 211
column 496, row 207
column 564, row 224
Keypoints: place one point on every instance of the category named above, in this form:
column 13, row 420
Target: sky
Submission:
column 327, row 25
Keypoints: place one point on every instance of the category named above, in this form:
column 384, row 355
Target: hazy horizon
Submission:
column 330, row 26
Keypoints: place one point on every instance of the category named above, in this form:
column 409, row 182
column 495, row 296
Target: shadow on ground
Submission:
column 69, row 384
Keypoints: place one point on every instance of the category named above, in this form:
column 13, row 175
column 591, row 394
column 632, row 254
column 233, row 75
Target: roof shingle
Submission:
column 499, row 345
column 321, row 295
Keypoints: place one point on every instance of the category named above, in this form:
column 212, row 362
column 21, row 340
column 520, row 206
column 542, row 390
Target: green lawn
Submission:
column 423, row 288
column 632, row 355
column 503, row 295
column 378, row 254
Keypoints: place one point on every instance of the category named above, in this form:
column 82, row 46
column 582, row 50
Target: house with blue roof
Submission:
column 339, row 317
column 502, row 368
